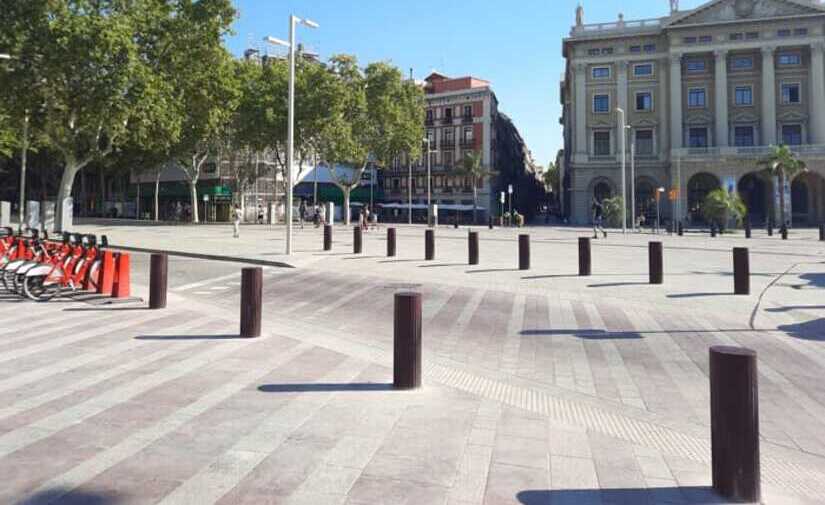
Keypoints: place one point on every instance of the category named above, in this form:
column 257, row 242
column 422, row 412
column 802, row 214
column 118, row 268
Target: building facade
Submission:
column 706, row 93
column 461, row 117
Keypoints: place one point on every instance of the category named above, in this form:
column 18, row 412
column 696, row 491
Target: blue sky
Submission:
column 515, row 44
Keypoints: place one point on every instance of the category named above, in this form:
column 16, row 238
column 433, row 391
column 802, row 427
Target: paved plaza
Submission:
column 540, row 386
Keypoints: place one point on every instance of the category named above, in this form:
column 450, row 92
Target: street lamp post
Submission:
column 409, row 190
column 293, row 20
column 632, row 179
column 429, row 194
column 23, row 159
column 623, row 134
column 659, row 192
column 510, row 198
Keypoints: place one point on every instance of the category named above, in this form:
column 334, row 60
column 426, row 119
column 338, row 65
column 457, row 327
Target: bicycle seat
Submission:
column 104, row 241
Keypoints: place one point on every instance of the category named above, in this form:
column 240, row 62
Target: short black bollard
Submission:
column 357, row 240
column 327, row 237
column 390, row 242
column 490, row 222
column 406, row 363
column 584, row 256
column 472, row 247
column 681, row 230
column 747, row 228
column 741, row 271
column 429, row 245
column 524, row 251
column 770, row 227
column 712, row 230
column 655, row 262
column 734, row 423
column 784, row 231
column 158, row 269
column 251, row 289
column 822, row 232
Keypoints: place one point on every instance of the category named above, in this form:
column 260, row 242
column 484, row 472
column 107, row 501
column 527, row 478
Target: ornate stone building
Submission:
column 706, row 92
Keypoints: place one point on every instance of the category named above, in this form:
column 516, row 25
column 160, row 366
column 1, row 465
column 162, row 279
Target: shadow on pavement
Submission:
column 189, row 337
column 698, row 295
column 71, row 497
column 102, row 309
column 436, row 265
column 324, row 387
column 628, row 496
column 489, row 270
column 809, row 330
column 400, row 261
column 363, row 257
column 616, row 284
column 789, row 308
column 585, row 334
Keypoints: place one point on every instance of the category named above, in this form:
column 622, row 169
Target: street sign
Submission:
column 510, row 188
column 673, row 194
column 205, row 198
column 502, row 197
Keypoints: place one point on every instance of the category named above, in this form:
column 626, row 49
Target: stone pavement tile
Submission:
column 434, row 469
column 423, row 443
column 472, row 475
column 482, row 436
column 519, row 451
column 507, row 484
column 329, row 479
column 565, row 442
column 517, row 424
column 353, row 451
column 371, row 490
column 654, row 467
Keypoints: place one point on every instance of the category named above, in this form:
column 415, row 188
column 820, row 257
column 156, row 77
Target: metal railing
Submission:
column 745, row 152
column 595, row 28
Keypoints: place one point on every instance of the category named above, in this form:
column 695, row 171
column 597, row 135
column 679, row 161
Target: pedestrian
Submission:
column 374, row 220
column 260, row 214
column 598, row 216
column 236, row 220
column 316, row 215
column 364, row 218
column 302, row 212
column 323, row 215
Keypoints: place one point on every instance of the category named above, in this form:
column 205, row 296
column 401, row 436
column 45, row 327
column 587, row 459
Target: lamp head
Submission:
column 309, row 23
column 276, row 42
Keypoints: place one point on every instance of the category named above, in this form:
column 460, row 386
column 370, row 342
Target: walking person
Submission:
column 374, row 220
column 316, row 215
column 260, row 214
column 302, row 212
column 323, row 215
column 598, row 217
column 236, row 220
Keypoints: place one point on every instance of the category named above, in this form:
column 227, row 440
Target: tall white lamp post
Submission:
column 623, row 140
column 429, row 193
column 293, row 20
column 23, row 155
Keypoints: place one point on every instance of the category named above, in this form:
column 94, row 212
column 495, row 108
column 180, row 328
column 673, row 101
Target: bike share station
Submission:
column 73, row 265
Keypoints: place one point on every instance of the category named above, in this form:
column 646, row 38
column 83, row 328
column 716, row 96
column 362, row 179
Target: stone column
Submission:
column 676, row 101
column 768, row 97
column 621, row 102
column 581, row 104
column 817, row 105
column 663, row 134
column 721, row 97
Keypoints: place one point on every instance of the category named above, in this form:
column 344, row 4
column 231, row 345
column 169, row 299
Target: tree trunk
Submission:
column 61, row 222
column 157, row 196
column 82, row 193
column 782, row 197
column 475, row 202
column 346, row 191
column 193, row 185
column 101, row 191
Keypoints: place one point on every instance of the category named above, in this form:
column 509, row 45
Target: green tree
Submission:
column 551, row 178
column 783, row 164
column 720, row 206
column 472, row 166
column 612, row 210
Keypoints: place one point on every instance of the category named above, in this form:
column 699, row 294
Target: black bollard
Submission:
column 712, row 230
column 524, row 251
column 822, row 232
column 429, row 245
column 747, row 228
column 327, row 237
column 784, row 231
column 741, row 271
column 734, row 423
column 251, row 289
column 357, row 240
column 655, row 262
column 390, row 242
column 472, row 246
column 490, row 222
column 584, row 256
column 406, row 366
column 681, row 230
column 158, row 269
column 770, row 227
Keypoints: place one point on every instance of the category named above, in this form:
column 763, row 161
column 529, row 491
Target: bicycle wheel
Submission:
column 35, row 288
column 93, row 275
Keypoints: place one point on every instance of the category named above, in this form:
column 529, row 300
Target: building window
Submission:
column 743, row 136
column 743, row 95
column 705, row 39
column 431, row 136
column 800, row 32
column 643, row 69
column 696, row 97
column 790, row 59
column 601, row 104
column 607, row 50
column 650, row 48
column 635, row 49
column 601, row 72
column 735, row 36
column 448, row 158
column 644, row 101
column 742, row 63
column 790, row 93
column 448, row 113
column 601, row 143
column 644, row 142
column 695, row 66
column 448, row 135
column 752, row 35
column 697, row 137
column 468, row 135
column 783, row 33
column 792, row 135
column 429, row 115
column 593, row 52
column 689, row 40
column 468, row 111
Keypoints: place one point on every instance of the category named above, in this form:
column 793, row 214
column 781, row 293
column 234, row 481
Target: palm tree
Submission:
column 783, row 164
column 472, row 166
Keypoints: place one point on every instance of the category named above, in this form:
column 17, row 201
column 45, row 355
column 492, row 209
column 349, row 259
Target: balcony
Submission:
column 467, row 143
column 447, row 120
column 429, row 121
column 466, row 119
column 447, row 144
column 620, row 26
column 804, row 151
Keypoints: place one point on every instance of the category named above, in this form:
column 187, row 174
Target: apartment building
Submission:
column 461, row 117
column 706, row 93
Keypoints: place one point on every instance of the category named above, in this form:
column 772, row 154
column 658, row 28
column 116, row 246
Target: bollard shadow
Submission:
column 73, row 496
column 436, row 265
column 401, row 261
column 102, row 309
column 587, row 334
column 617, row 284
column 361, row 257
column 809, row 330
column 190, row 337
column 570, row 276
column 697, row 295
column 324, row 387
column 623, row 496
column 491, row 270
column 788, row 308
